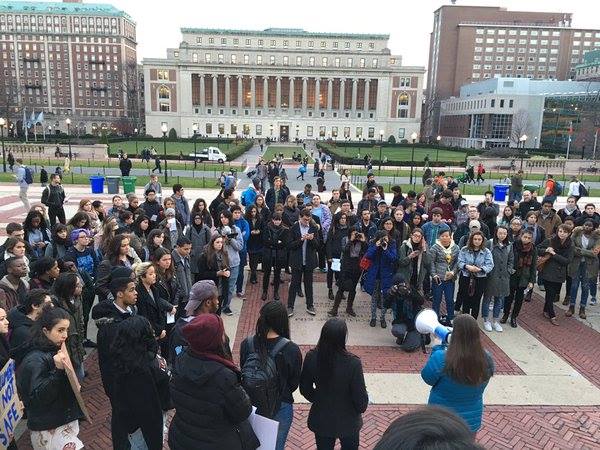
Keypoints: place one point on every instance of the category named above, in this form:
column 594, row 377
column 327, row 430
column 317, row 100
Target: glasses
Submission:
column 83, row 237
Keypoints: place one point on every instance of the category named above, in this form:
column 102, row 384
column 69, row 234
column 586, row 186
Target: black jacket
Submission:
column 103, row 277
column 275, row 241
column 210, row 405
column 53, row 196
column 463, row 230
column 290, row 216
column 152, row 209
column 45, row 391
column 271, row 199
column 333, row 246
column 107, row 317
column 556, row 267
column 20, row 329
column 296, row 243
column 125, row 166
column 525, row 207
column 337, row 406
column 154, row 309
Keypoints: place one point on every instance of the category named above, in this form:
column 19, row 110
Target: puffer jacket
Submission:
column 498, row 283
column 383, row 265
column 585, row 254
column 210, row 405
column 439, row 264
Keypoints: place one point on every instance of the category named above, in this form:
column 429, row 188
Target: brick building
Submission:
column 69, row 59
column 283, row 83
column 472, row 43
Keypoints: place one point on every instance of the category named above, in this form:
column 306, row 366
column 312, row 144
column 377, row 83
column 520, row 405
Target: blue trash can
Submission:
column 97, row 184
column 500, row 191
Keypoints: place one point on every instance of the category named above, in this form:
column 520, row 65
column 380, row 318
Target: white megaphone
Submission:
column 427, row 322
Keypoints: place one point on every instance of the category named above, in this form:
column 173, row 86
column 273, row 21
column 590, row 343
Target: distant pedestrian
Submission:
column 301, row 171
column 43, row 177
column 11, row 161
column 24, row 179
column 53, row 197
column 125, row 166
column 157, row 164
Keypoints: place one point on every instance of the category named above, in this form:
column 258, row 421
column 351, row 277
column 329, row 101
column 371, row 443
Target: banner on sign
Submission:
column 11, row 407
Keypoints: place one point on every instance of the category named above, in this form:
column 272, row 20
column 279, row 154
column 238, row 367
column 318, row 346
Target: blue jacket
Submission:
column 482, row 259
column 383, row 263
column 244, row 227
column 464, row 400
column 183, row 208
column 432, row 231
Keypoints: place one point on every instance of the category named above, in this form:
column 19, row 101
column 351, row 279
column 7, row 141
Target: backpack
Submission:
column 261, row 380
column 583, row 191
column 244, row 199
column 28, row 175
column 558, row 188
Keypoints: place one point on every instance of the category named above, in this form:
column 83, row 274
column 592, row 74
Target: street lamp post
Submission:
column 135, row 132
column 522, row 140
column 2, row 125
column 68, row 122
column 195, row 130
column 412, row 162
column 164, row 129
column 437, row 152
column 380, row 147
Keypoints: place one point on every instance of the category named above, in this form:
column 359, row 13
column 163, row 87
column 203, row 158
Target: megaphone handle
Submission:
column 423, row 348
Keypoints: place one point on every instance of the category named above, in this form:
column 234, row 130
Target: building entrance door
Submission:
column 284, row 133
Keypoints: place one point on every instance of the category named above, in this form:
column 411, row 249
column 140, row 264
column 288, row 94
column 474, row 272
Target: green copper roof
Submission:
column 93, row 9
column 590, row 59
column 284, row 32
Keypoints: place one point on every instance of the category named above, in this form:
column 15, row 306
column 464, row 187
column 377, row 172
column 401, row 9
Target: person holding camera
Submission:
column 232, row 244
column 303, row 244
column 444, row 269
column 378, row 278
column 414, row 261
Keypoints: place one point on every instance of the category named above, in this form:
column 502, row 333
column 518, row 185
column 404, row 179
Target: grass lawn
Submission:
column 274, row 150
column 400, row 153
column 173, row 148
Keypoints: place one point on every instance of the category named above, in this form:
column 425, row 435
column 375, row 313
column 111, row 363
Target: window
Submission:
column 298, row 60
column 163, row 75
column 374, row 63
column 337, row 62
column 359, row 45
column 298, row 44
column 285, row 43
column 346, row 44
column 335, row 45
column 502, row 103
column 260, row 42
column 233, row 59
column 248, row 41
column 324, row 61
column 272, row 60
column 233, row 129
column 311, row 44
column 311, row 61
column 346, row 132
column 403, row 104
column 221, row 128
column 309, row 131
column 273, row 42
column 194, row 57
column 236, row 41
column 405, row 82
column 207, row 57
column 286, row 60
column 211, row 40
column 259, row 59
column 361, row 62
column 223, row 41
column 349, row 62
column 259, row 130
column 401, row 133
column 209, row 128
column 323, row 44
column 359, row 132
column 198, row 40
column 322, row 131
column 246, row 59
column 220, row 58
column 371, row 132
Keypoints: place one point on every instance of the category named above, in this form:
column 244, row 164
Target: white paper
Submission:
column 264, row 429
column 170, row 318
column 153, row 218
column 172, row 224
column 336, row 264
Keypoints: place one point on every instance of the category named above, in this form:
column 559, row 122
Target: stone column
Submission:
column 265, row 93
column 354, row 92
column 330, row 94
column 252, row 92
column 215, row 99
column 227, row 92
column 304, row 94
column 317, row 93
column 240, row 92
column 342, row 93
column 278, row 95
column 367, row 88
column 202, row 94
column 292, row 93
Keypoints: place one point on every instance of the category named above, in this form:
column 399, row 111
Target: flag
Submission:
column 40, row 118
column 24, row 121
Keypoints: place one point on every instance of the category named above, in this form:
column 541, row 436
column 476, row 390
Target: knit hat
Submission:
column 204, row 333
column 169, row 211
column 382, row 202
column 475, row 224
column 201, row 291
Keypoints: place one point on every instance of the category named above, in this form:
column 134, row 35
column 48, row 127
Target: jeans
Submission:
column 297, row 275
column 240, row 278
column 580, row 278
column 284, row 416
column 23, row 196
column 485, row 307
column 377, row 298
column 328, row 443
column 231, row 282
column 445, row 288
column 593, row 287
column 516, row 196
column 552, row 291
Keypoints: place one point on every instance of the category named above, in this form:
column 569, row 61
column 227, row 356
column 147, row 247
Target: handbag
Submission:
column 541, row 262
column 365, row 263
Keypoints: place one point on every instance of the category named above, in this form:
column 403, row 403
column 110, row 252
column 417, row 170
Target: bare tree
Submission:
column 521, row 124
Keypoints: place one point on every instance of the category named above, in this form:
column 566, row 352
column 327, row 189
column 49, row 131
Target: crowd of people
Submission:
column 164, row 272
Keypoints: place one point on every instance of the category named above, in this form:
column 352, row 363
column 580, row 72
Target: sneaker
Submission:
column 290, row 312
column 593, row 302
column 487, row 326
column 372, row 323
column 383, row 323
column 311, row 310
column 240, row 294
column 497, row 326
column 227, row 312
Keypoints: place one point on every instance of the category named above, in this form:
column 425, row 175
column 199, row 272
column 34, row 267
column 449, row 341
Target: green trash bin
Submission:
column 531, row 187
column 112, row 184
column 129, row 185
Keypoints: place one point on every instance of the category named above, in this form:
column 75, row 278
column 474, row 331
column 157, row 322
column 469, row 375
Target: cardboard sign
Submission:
column 11, row 407
column 74, row 382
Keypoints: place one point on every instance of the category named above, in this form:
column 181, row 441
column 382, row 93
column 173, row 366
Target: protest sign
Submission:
column 11, row 407
column 74, row 382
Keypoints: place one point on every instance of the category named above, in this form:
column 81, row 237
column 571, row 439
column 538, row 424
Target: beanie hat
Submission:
column 204, row 333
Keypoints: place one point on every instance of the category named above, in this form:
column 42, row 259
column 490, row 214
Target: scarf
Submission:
column 525, row 255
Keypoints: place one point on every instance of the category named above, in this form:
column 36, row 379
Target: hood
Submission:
column 5, row 283
column 578, row 231
column 17, row 318
column 196, row 370
column 106, row 312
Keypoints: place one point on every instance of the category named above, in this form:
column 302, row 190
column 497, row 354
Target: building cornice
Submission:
column 284, row 32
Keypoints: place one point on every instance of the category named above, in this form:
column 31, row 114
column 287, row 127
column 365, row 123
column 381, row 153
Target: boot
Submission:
column 349, row 305
column 570, row 311
column 330, row 295
column 253, row 277
column 582, row 312
column 567, row 300
column 336, row 304
column 504, row 318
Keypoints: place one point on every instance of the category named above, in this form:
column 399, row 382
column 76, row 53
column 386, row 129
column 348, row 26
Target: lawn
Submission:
column 274, row 150
column 399, row 153
column 173, row 148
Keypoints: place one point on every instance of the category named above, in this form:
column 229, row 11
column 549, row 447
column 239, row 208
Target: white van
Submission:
column 209, row 154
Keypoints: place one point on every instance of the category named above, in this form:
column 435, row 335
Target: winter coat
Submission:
column 439, row 263
column 45, row 391
column 498, row 282
column 199, row 240
column 103, row 277
column 405, row 264
column 290, row 216
column 233, row 246
column 333, row 246
column 463, row 230
column 210, row 405
column 296, row 243
column 107, row 317
column 585, row 217
column 76, row 337
column 383, row 265
column 336, row 407
column 482, row 259
column 555, row 269
column 207, row 270
column 19, row 326
column 466, row 401
column 525, row 207
column 549, row 223
column 153, row 211
column 273, row 197
column 368, row 230
column 431, row 231
column 154, row 308
column 183, row 275
column 585, row 254
column 125, row 166
column 275, row 240
column 523, row 275
column 182, row 207
column 254, row 243
column 10, row 295
column 53, row 196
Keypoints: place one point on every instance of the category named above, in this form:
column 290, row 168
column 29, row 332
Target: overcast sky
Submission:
column 408, row 22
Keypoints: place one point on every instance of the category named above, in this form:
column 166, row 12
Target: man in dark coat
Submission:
column 125, row 166
column 303, row 245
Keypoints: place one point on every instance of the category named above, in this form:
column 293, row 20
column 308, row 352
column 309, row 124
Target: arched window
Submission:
column 403, row 105
column 164, row 93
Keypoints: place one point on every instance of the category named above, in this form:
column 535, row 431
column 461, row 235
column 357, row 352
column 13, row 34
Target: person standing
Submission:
column 458, row 373
column 125, row 166
column 181, row 204
column 303, row 244
column 24, row 178
column 199, row 235
column 275, row 194
column 332, row 381
column 584, row 268
column 274, row 254
column 558, row 253
column 515, row 192
column 378, row 278
column 444, row 269
column 272, row 341
column 475, row 262
column 575, row 188
column 157, row 165
column 183, row 271
column 232, row 244
column 54, row 197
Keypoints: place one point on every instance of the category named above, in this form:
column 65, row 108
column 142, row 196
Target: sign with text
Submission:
column 11, row 410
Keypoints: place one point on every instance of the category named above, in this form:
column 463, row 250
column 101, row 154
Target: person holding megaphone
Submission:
column 460, row 371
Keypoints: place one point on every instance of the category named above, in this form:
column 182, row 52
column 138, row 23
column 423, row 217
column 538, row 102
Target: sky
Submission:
column 408, row 22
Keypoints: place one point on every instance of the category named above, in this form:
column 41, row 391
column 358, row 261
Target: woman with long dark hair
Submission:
column 43, row 272
column 345, row 193
column 508, row 214
column 156, row 239
column 200, row 208
column 140, row 396
column 255, row 240
column 59, row 242
column 559, row 251
column 79, row 220
column 460, row 372
column 117, row 255
column 53, row 413
column 332, row 380
column 333, row 249
column 199, row 235
column 108, row 232
column 140, row 229
column 149, row 302
column 66, row 294
column 272, row 340
column 214, row 264
column 263, row 210
column 36, row 233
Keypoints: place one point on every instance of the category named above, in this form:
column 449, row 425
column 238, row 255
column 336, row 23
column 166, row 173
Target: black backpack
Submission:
column 261, row 380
